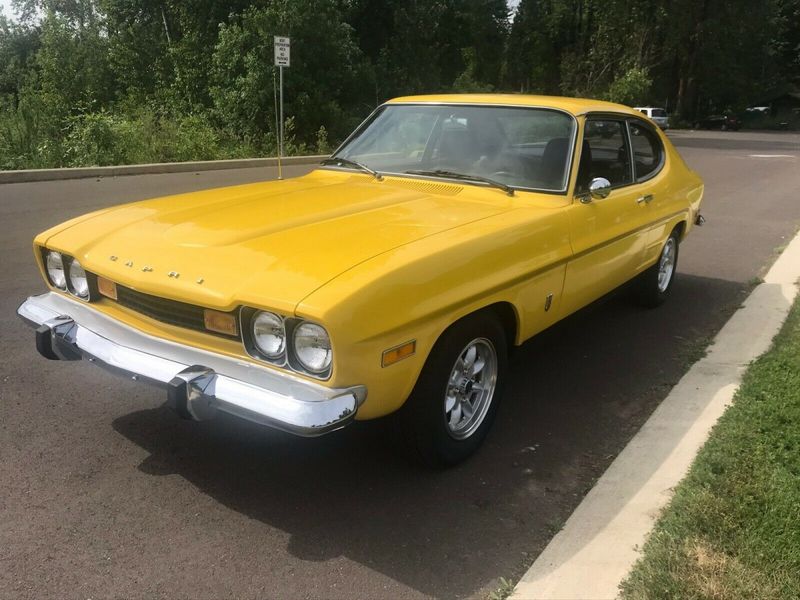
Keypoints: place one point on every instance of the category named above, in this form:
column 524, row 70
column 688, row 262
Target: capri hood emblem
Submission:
column 149, row 269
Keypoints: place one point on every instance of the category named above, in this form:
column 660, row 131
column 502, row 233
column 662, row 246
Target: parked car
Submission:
column 723, row 122
column 658, row 115
column 394, row 278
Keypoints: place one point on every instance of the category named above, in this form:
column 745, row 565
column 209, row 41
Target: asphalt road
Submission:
column 105, row 492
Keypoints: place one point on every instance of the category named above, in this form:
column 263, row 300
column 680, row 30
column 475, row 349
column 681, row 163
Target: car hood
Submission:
column 266, row 244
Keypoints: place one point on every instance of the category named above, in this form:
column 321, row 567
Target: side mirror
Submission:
column 599, row 188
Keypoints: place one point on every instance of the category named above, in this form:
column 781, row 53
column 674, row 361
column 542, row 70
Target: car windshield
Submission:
column 517, row 147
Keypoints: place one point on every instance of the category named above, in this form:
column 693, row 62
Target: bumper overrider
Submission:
column 198, row 383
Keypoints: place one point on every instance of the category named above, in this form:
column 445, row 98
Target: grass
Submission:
column 695, row 349
column 504, row 589
column 732, row 530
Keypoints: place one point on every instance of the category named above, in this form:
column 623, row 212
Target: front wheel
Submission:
column 454, row 402
column 655, row 283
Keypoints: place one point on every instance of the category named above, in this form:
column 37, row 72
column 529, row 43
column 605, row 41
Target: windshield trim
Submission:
column 570, row 157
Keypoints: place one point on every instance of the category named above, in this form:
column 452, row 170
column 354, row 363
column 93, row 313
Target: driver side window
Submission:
column 604, row 154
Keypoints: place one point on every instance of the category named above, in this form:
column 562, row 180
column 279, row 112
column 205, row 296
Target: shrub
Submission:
column 630, row 87
column 95, row 139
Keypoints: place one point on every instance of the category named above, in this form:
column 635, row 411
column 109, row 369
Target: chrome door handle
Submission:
column 644, row 199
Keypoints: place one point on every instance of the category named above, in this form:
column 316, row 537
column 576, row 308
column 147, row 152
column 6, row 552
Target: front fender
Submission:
column 415, row 292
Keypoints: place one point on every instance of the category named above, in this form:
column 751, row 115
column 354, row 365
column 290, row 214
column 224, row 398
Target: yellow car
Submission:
column 394, row 278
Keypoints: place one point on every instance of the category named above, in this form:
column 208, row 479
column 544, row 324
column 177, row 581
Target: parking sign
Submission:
column 282, row 48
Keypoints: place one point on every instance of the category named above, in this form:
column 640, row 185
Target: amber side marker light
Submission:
column 220, row 322
column 398, row 353
column 107, row 288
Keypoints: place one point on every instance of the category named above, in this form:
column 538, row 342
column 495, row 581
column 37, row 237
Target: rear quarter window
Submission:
column 648, row 152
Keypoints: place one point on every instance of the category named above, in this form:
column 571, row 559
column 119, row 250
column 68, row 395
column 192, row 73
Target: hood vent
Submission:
column 427, row 187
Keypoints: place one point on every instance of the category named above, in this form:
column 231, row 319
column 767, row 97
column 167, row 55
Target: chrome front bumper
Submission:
column 198, row 382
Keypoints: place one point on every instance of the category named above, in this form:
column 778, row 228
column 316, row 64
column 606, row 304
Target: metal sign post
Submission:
column 282, row 59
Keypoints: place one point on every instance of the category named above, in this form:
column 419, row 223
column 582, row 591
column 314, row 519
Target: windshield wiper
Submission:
column 465, row 177
column 346, row 162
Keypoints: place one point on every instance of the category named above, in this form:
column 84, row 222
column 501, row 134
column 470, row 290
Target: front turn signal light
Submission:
column 398, row 353
column 107, row 287
column 220, row 322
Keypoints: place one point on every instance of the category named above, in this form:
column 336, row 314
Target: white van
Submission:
column 659, row 115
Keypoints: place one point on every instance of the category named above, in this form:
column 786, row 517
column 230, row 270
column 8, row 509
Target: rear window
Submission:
column 659, row 112
column 647, row 151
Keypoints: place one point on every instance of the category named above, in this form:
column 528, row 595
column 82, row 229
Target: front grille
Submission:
column 164, row 310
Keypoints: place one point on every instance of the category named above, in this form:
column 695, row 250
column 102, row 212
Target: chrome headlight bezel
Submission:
column 287, row 358
column 69, row 286
column 57, row 281
column 78, row 280
column 308, row 335
column 272, row 326
column 247, row 316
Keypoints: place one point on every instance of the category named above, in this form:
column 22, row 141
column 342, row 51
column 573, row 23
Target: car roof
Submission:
column 575, row 106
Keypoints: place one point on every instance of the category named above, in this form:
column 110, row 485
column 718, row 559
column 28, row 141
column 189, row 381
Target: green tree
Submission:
column 130, row 80
column 532, row 60
column 323, row 86
column 630, row 88
column 18, row 46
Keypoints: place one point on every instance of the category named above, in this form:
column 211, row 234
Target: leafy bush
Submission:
column 96, row 139
column 630, row 87
column 28, row 138
column 467, row 82
column 323, row 145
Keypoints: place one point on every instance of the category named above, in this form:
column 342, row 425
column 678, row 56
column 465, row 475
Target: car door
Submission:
column 608, row 235
column 657, row 203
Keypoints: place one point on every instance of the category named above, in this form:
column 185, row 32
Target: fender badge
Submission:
column 174, row 274
column 200, row 281
column 112, row 258
column 129, row 263
column 147, row 269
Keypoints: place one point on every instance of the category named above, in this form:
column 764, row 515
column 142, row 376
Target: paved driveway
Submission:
column 107, row 493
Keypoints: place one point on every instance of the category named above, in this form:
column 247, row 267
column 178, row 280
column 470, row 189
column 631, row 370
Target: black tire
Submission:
column 650, row 292
column 422, row 421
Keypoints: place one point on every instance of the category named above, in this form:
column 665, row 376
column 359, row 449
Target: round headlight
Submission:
column 78, row 283
column 55, row 270
column 268, row 334
column 312, row 347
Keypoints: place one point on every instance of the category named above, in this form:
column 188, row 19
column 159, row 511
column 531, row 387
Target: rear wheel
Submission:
column 454, row 402
column 655, row 283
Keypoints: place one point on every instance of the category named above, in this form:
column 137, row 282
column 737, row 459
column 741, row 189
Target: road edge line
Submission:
column 32, row 175
column 602, row 539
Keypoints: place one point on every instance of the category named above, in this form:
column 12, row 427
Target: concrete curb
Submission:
column 28, row 175
column 602, row 539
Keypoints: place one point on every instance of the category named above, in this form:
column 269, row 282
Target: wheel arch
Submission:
column 504, row 311
column 680, row 228
column 509, row 319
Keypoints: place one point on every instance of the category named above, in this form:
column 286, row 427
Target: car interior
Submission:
column 605, row 154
